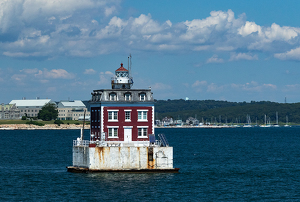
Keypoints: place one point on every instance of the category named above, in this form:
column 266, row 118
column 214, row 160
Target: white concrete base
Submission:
column 123, row 158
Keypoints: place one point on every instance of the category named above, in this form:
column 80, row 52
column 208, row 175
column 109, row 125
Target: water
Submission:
column 242, row 164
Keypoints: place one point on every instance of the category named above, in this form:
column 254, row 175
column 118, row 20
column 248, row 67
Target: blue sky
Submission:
column 221, row 50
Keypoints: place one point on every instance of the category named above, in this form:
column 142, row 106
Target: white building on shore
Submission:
column 72, row 110
column 31, row 107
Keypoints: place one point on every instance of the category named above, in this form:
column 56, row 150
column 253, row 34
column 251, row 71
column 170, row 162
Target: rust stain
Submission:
column 150, row 159
column 100, row 151
column 139, row 156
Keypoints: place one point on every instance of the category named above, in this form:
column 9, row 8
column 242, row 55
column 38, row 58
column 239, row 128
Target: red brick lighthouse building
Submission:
column 125, row 115
column 122, row 134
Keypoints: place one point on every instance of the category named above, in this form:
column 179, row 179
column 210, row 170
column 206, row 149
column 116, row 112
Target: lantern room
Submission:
column 122, row 79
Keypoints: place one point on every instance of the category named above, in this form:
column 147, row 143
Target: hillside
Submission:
column 233, row 112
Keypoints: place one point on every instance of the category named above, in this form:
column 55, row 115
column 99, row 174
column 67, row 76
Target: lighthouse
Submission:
column 122, row 135
column 122, row 80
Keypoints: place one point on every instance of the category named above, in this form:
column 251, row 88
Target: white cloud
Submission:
column 293, row 54
column 214, row 88
column 249, row 28
column 51, row 28
column 214, row 59
column 199, row 83
column 110, row 10
column 275, row 32
column 54, row 74
column 104, row 78
column 18, row 77
column 254, row 87
column 292, row 88
column 29, row 71
column 242, row 56
column 89, row 71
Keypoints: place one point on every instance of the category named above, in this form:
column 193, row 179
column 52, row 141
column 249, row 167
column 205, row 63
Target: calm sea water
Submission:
column 242, row 164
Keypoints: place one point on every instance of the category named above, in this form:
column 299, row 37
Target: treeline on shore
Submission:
column 230, row 112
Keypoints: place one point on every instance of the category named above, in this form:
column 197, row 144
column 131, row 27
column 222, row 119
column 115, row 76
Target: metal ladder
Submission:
column 163, row 140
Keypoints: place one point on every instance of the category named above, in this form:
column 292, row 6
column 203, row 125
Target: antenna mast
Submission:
column 129, row 65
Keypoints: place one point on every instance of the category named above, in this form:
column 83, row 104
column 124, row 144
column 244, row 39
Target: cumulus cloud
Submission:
column 50, row 28
column 249, row 28
column 293, row 54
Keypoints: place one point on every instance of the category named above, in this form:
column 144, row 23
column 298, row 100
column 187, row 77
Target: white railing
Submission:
column 85, row 143
column 81, row 143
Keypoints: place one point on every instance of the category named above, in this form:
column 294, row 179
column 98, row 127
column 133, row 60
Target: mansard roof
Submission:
column 103, row 95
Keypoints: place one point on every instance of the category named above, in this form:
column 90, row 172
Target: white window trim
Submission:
column 144, row 94
column 142, row 127
column 112, row 120
column 143, row 120
column 127, row 110
column 128, row 97
column 110, row 97
column 128, row 120
column 112, row 127
column 127, row 126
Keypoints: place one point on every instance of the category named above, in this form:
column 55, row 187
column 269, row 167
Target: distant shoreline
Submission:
column 77, row 127
column 45, row 127
column 86, row 127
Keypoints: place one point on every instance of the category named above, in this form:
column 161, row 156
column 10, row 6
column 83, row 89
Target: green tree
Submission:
column 48, row 112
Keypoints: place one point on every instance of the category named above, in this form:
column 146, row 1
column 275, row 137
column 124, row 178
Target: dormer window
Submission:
column 127, row 96
column 112, row 97
column 142, row 97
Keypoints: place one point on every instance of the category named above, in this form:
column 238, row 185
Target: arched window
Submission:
column 142, row 96
column 113, row 97
column 127, row 96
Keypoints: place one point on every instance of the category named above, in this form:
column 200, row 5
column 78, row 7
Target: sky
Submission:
column 204, row 50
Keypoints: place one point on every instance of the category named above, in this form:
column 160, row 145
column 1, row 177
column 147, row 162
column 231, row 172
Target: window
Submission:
column 127, row 115
column 112, row 132
column 142, row 115
column 113, row 97
column 113, row 115
column 142, row 97
column 142, row 132
column 127, row 97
